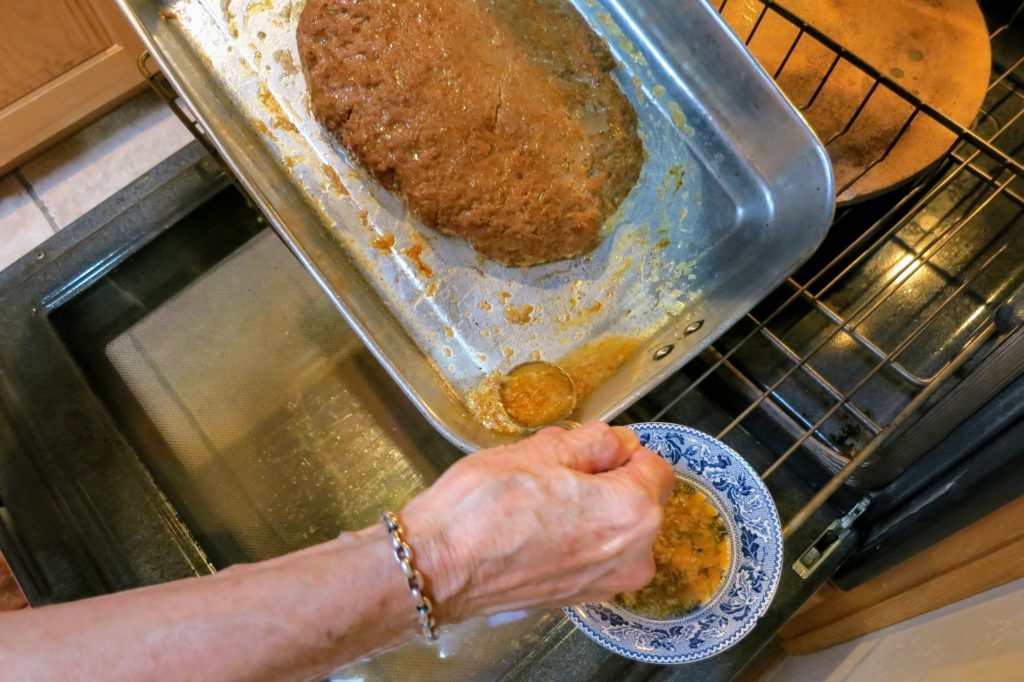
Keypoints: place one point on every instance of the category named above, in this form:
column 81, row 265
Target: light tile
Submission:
column 22, row 225
column 90, row 166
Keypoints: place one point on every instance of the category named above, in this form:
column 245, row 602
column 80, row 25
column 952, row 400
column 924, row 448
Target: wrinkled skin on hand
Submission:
column 562, row 517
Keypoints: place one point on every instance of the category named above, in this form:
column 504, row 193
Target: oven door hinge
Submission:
column 828, row 541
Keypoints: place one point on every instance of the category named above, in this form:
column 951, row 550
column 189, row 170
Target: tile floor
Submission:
column 62, row 184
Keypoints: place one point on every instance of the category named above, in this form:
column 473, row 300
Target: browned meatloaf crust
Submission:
column 494, row 120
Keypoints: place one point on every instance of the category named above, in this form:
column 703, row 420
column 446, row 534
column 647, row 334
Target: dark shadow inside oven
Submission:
column 255, row 407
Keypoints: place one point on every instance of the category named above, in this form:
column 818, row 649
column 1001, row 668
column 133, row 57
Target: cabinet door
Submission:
column 62, row 64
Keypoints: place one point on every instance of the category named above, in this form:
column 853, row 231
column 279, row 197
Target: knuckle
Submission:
column 472, row 465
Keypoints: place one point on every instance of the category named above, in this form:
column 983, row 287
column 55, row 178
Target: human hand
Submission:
column 559, row 518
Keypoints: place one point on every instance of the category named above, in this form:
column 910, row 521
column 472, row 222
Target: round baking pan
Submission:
column 938, row 50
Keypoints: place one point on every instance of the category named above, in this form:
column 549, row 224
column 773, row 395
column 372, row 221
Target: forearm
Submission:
column 564, row 517
column 296, row 617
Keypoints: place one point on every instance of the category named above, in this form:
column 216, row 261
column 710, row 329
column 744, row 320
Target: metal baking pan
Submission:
column 735, row 192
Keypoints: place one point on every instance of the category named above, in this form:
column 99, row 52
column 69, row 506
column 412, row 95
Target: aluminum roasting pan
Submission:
column 735, row 192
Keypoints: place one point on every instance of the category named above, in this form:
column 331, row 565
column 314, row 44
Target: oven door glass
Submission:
column 262, row 417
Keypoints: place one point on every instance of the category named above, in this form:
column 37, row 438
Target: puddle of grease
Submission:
column 588, row 366
column 536, row 394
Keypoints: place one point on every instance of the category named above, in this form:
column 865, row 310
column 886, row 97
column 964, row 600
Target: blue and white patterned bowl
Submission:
column 755, row 565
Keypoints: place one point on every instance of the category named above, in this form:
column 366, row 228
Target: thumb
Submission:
column 648, row 472
column 590, row 449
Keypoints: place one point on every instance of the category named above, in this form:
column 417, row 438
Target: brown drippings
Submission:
column 592, row 363
column 364, row 217
column 537, row 393
column 168, row 15
column 262, row 35
column 278, row 119
column 448, row 331
column 594, row 308
column 282, row 123
column 504, row 296
column 519, row 314
column 284, row 58
column 484, row 404
column 484, row 305
column 334, row 179
column 691, row 555
column 384, row 242
column 447, row 351
column 257, row 7
column 229, row 17
column 627, row 265
column 415, row 253
column 431, row 290
column 675, row 177
column 662, row 244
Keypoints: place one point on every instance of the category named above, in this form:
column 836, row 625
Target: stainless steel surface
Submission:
column 721, row 215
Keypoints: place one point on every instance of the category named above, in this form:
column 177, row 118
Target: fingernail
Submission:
column 627, row 437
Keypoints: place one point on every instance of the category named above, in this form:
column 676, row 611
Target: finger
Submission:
column 627, row 437
column 651, row 472
column 591, row 449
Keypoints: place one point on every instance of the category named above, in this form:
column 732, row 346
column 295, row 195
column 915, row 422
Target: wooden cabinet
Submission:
column 62, row 64
column 11, row 597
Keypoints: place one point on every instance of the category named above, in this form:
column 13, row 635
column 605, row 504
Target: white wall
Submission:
column 980, row 639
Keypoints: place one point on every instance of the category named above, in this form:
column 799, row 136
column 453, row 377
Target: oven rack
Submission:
column 961, row 223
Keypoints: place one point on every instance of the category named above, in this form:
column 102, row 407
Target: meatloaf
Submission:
column 494, row 120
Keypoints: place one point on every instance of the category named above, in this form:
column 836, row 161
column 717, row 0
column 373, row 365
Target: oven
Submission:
column 178, row 394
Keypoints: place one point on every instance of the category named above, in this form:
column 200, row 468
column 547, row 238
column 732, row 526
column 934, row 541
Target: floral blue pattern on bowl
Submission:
column 755, row 566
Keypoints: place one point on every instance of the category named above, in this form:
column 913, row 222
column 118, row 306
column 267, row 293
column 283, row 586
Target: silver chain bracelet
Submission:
column 404, row 557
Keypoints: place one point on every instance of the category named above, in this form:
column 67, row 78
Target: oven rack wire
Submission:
column 990, row 163
column 984, row 156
